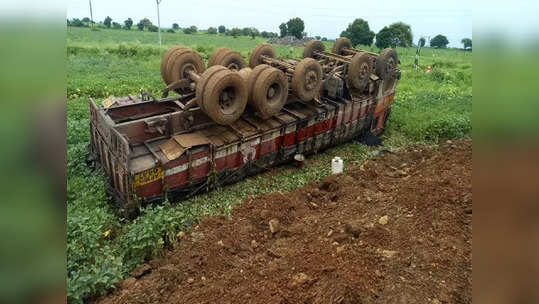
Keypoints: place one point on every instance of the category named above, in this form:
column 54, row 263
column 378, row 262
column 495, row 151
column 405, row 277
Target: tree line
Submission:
column 359, row 32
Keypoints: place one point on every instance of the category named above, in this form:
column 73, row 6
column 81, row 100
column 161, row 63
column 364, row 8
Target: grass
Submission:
column 102, row 248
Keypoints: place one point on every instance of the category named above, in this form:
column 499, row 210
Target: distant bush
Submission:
column 153, row 28
column 116, row 25
column 77, row 22
column 170, row 31
column 222, row 29
column 212, row 31
column 190, row 30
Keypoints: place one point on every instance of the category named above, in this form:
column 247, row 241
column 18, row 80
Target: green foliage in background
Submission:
column 103, row 248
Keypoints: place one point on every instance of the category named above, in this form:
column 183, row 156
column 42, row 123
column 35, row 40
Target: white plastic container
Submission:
column 336, row 165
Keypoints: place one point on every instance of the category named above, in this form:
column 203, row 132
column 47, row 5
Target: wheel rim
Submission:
column 311, row 80
column 274, row 93
column 227, row 99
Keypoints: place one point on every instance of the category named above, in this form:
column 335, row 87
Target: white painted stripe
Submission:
column 176, row 170
column 200, row 161
column 290, row 129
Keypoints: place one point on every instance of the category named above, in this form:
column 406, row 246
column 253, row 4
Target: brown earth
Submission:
column 397, row 229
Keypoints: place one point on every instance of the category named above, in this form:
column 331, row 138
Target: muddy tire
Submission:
column 312, row 47
column 201, row 85
column 307, row 79
column 181, row 62
column 231, row 60
column 386, row 64
column 270, row 92
column 215, row 54
column 164, row 61
column 253, row 75
column 260, row 50
column 341, row 44
column 359, row 71
column 244, row 73
column 224, row 97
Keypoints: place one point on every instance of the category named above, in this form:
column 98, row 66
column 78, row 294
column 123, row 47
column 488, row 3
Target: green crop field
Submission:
column 103, row 248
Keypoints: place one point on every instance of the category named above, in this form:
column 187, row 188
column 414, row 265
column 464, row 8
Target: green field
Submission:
column 103, row 248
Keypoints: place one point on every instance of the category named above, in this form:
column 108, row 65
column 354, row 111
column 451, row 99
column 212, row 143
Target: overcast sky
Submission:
column 324, row 18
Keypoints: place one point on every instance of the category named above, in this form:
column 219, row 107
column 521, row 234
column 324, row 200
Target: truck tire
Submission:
column 386, row 63
column 359, row 71
column 252, row 78
column 307, row 79
column 164, row 61
column 215, row 54
column 224, row 97
column 340, row 45
column 260, row 50
column 201, row 85
column 230, row 59
column 270, row 92
column 312, row 47
column 181, row 62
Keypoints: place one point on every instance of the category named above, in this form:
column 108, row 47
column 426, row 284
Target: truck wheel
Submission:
column 270, row 92
column 307, row 79
column 244, row 73
column 231, row 60
column 201, row 85
column 183, row 61
column 386, row 63
column 340, row 45
column 260, row 50
column 224, row 97
column 215, row 55
column 312, row 47
column 252, row 78
column 164, row 61
column 359, row 71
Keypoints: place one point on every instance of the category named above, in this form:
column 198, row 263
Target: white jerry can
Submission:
column 336, row 165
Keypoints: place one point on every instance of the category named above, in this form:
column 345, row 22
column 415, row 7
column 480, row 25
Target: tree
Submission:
column 439, row 41
column 264, row 34
column 317, row 37
column 212, row 30
column 190, row 30
column 402, row 34
column 359, row 32
column 254, row 32
column 283, row 29
column 324, row 39
column 128, row 23
column 77, row 22
column 116, row 25
column 467, row 42
column 86, row 20
column 246, row 31
column 222, row 29
column 140, row 26
column 235, row 32
column 170, row 30
column 107, row 21
column 397, row 34
column 153, row 28
column 146, row 22
column 384, row 38
column 175, row 26
column 422, row 41
column 295, row 27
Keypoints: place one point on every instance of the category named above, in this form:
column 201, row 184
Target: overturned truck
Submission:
column 230, row 120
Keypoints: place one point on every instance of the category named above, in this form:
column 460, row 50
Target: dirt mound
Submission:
column 289, row 40
column 397, row 229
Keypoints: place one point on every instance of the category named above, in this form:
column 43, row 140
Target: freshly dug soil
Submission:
column 397, row 229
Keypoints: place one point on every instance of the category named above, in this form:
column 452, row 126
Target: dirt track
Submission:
column 397, row 229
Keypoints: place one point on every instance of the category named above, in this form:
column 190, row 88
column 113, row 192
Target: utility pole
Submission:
column 91, row 14
column 158, row 21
